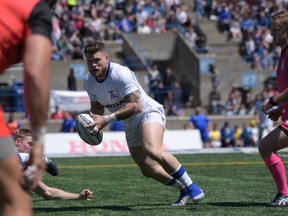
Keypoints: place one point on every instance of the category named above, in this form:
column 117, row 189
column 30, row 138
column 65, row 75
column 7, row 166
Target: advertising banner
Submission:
column 71, row 101
column 114, row 143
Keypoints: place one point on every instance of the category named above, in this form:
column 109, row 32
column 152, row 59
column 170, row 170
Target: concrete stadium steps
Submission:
column 209, row 27
column 114, row 50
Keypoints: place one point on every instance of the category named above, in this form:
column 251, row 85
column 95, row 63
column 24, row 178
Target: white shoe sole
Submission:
column 198, row 198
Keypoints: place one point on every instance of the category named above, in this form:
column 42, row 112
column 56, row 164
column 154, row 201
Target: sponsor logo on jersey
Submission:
column 112, row 95
column 115, row 105
column 147, row 116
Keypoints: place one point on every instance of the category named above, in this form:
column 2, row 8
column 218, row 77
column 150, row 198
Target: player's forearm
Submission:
column 128, row 110
column 50, row 193
column 37, row 82
column 37, row 97
column 57, row 194
column 281, row 98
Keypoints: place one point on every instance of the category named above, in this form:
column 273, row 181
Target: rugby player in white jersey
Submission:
column 115, row 87
column 24, row 144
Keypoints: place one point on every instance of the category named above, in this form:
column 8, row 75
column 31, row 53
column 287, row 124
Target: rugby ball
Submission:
column 86, row 134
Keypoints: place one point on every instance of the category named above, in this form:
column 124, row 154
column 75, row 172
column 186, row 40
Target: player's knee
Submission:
column 263, row 146
column 146, row 172
column 155, row 154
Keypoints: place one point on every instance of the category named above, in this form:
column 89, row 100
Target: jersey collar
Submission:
column 107, row 73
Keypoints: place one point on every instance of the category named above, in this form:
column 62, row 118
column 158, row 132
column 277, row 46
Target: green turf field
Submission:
column 234, row 184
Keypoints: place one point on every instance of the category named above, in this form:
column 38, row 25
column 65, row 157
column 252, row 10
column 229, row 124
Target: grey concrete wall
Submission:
column 187, row 63
column 167, row 50
column 173, row 123
column 59, row 71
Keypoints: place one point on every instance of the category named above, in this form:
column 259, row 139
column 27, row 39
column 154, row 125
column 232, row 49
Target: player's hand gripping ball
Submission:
column 86, row 133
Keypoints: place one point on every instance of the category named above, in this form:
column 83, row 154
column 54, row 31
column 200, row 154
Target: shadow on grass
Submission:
column 147, row 207
column 81, row 208
column 235, row 204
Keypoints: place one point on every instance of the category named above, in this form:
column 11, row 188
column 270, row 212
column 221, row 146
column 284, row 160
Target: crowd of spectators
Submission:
column 166, row 89
column 85, row 20
column 227, row 135
column 248, row 23
column 240, row 101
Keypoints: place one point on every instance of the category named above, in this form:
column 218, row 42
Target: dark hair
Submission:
column 94, row 47
column 51, row 3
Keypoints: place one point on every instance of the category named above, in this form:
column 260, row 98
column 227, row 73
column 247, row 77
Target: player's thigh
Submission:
column 277, row 139
column 11, row 178
column 152, row 136
column 13, row 198
column 141, row 157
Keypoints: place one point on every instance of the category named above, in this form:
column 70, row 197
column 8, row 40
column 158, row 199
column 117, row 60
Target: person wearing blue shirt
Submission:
column 116, row 126
column 200, row 121
column 227, row 135
column 68, row 124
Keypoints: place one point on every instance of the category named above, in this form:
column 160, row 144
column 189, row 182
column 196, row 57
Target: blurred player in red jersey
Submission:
column 25, row 30
column 278, row 138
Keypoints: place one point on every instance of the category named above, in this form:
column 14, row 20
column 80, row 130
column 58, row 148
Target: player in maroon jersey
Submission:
column 278, row 138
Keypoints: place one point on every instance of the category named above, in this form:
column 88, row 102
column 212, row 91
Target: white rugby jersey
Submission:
column 24, row 159
column 119, row 82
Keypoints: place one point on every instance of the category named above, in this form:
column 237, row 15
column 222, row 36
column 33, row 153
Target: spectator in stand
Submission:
column 265, row 124
column 231, row 105
column 188, row 126
column 116, row 126
column 215, row 106
column 215, row 136
column 238, row 136
column 224, row 17
column 186, row 86
column 227, row 136
column 242, row 110
column 71, row 80
column 13, row 123
column 199, row 9
column 200, row 43
column 267, row 61
column 262, row 20
column 214, row 75
column 247, row 23
column 254, row 131
column 271, row 91
column 208, row 8
column 173, row 110
column 68, row 124
column 168, row 82
column 191, row 37
column 247, row 136
column 177, row 94
column 250, row 48
column 58, row 114
column 234, row 100
column 182, row 15
column 200, row 121
column 154, row 79
column 235, row 33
